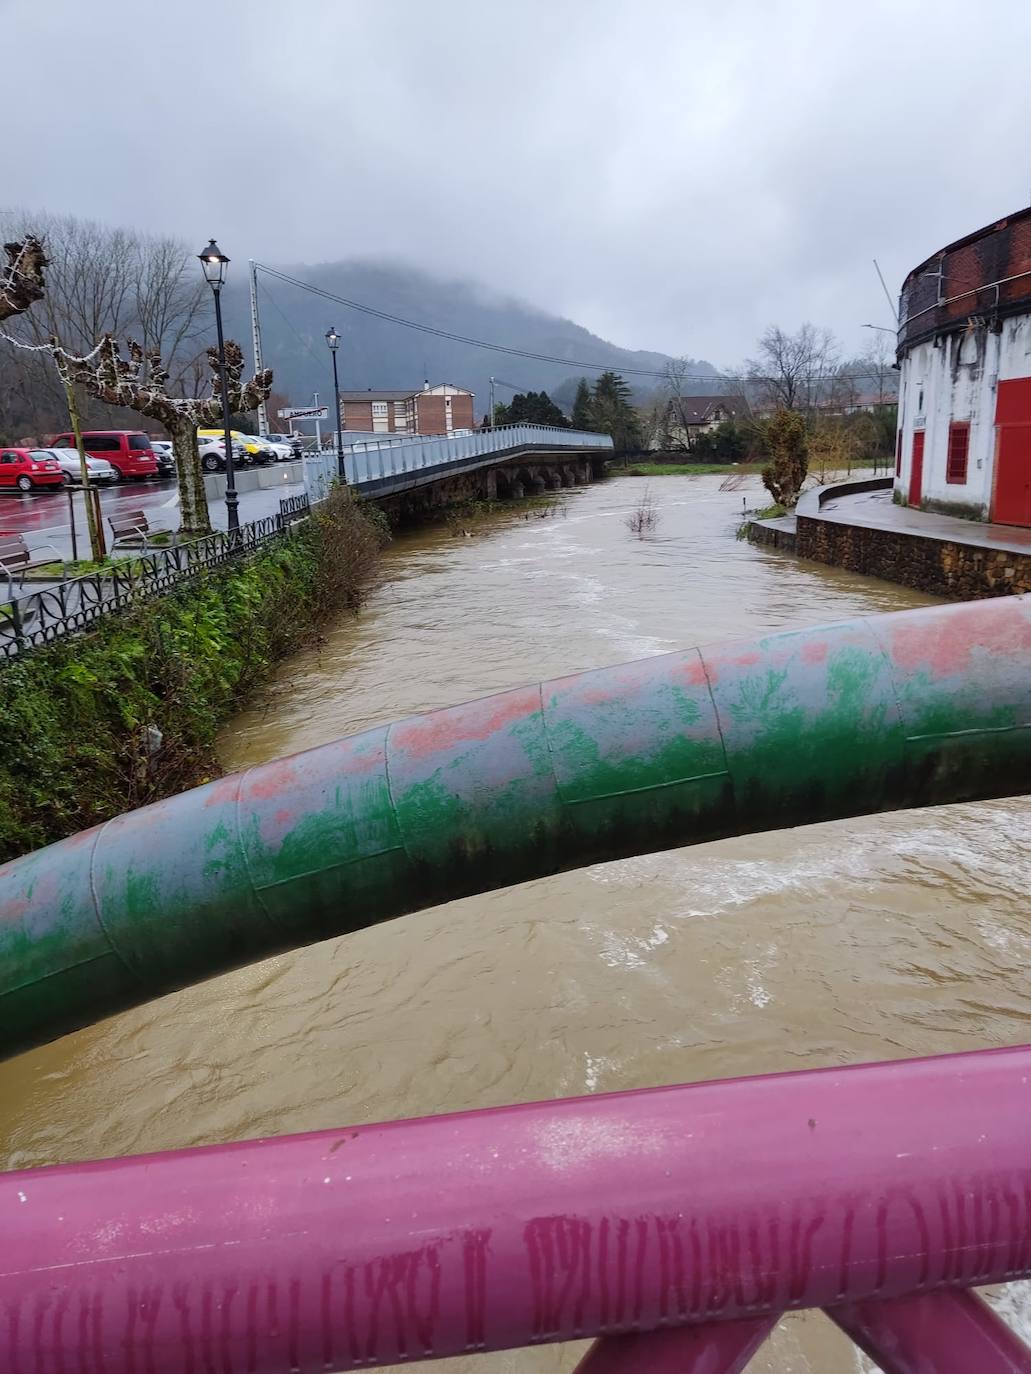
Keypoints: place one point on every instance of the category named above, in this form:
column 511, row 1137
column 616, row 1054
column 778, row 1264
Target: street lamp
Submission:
column 214, row 262
column 333, row 339
column 882, row 327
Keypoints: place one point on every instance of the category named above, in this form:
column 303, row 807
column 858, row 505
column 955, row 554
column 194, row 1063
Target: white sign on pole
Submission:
column 307, row 413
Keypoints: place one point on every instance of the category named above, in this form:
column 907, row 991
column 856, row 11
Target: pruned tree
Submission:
column 101, row 279
column 21, row 279
column 140, row 382
column 787, row 445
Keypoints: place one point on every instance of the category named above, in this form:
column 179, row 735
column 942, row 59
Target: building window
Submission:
column 898, row 454
column 380, row 421
column 959, row 446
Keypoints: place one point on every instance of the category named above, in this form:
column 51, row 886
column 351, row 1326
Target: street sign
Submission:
column 307, row 413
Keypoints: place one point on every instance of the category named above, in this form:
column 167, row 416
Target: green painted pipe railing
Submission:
column 911, row 709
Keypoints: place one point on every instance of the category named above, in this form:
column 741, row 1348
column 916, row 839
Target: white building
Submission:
column 964, row 438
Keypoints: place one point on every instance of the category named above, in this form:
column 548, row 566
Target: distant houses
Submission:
column 686, row 418
column 439, row 409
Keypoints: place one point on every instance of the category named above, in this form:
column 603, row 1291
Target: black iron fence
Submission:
column 29, row 620
column 294, row 507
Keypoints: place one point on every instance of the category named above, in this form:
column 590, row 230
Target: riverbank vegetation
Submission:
column 100, row 723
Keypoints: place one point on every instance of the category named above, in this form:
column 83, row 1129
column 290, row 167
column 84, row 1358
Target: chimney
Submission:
column 426, row 384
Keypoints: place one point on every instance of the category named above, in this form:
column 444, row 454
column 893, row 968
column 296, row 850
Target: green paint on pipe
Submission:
column 914, row 709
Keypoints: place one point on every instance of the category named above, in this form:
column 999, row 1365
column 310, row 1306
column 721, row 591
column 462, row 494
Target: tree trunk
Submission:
column 193, row 501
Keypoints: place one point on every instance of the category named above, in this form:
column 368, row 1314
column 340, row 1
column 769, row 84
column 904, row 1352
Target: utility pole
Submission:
column 492, row 422
column 256, row 340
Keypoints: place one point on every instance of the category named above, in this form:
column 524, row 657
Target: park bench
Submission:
column 132, row 526
column 17, row 559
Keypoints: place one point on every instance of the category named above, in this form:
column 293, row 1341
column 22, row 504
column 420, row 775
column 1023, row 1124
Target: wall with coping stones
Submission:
column 961, row 571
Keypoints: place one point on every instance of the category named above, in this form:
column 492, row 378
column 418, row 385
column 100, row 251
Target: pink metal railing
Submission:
column 676, row 1223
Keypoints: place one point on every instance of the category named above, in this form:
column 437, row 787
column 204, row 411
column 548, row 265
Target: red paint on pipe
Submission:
column 545, row 1222
column 442, row 730
column 945, row 647
column 814, row 651
column 934, row 1333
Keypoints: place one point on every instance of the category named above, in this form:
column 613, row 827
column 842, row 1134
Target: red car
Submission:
column 19, row 469
column 127, row 450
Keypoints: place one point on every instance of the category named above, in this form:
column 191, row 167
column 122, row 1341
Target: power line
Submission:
column 570, row 363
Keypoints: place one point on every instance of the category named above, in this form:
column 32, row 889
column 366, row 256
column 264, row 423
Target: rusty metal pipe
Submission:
column 910, row 709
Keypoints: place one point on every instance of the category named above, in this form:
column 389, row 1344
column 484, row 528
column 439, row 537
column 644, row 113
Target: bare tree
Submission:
column 141, row 383
column 793, row 371
column 877, row 364
column 676, row 427
column 21, row 280
column 103, row 280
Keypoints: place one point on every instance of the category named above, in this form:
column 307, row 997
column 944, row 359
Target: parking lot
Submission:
column 45, row 518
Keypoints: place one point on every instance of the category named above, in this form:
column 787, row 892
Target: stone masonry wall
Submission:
column 960, row 571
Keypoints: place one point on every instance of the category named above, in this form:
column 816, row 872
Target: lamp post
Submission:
column 333, row 339
column 214, row 263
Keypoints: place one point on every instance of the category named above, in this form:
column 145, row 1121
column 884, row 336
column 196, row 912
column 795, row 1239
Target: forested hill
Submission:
column 379, row 354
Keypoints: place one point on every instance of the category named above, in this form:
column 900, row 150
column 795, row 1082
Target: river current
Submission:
column 881, row 937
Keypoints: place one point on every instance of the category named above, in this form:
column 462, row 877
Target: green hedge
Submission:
column 100, row 723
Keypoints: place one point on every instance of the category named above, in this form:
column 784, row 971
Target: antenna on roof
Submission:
column 891, row 303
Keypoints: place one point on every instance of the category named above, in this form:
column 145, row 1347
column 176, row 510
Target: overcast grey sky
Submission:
column 671, row 174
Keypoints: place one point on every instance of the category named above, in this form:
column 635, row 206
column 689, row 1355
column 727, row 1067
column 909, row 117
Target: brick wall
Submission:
column 462, row 412
column 357, row 414
column 431, row 414
column 959, row 571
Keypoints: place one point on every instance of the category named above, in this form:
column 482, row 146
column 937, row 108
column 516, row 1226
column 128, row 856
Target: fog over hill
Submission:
column 380, row 354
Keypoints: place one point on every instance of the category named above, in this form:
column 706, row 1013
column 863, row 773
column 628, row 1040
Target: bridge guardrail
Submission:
column 368, row 461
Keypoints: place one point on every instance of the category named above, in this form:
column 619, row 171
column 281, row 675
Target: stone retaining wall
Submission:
column 773, row 534
column 944, row 568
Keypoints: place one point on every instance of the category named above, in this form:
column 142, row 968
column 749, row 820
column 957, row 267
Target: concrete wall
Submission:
column 957, row 377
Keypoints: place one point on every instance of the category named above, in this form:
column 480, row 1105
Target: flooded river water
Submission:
column 876, row 938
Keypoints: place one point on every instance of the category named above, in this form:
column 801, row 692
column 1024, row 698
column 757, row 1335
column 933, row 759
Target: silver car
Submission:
column 99, row 469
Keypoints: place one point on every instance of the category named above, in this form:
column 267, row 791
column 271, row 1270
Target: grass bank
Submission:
column 681, row 469
column 100, row 723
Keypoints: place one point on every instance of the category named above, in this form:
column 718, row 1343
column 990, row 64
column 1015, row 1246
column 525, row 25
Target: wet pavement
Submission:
column 876, row 509
column 45, row 518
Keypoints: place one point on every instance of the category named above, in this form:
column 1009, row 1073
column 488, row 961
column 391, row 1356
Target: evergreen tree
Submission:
column 583, row 417
column 614, row 414
column 536, row 408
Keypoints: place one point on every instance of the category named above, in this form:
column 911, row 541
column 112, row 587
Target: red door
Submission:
column 1012, row 499
column 916, row 469
column 1013, row 476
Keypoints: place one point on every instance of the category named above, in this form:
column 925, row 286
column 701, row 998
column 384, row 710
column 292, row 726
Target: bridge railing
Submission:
column 394, row 455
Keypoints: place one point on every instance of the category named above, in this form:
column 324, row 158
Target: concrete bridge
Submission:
column 417, row 474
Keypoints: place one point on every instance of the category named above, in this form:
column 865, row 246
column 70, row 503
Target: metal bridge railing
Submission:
column 368, row 461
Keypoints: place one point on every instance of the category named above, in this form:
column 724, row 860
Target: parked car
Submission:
column 71, row 469
column 284, row 446
column 212, row 454
column 251, row 450
column 18, row 468
column 165, row 457
column 127, row 450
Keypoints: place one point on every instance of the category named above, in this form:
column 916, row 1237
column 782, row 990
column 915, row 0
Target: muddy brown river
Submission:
column 875, row 938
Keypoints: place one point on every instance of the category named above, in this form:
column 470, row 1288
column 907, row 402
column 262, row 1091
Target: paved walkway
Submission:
column 875, row 509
